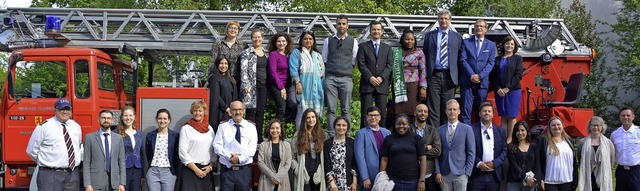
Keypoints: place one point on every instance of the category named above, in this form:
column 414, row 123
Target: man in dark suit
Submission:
column 431, row 137
column 374, row 62
column 474, row 76
column 455, row 163
column 491, row 151
column 103, row 162
column 443, row 49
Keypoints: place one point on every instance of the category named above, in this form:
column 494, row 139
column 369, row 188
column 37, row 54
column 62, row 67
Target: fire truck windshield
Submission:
column 40, row 79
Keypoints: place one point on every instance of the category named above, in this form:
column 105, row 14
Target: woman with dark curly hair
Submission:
column 279, row 51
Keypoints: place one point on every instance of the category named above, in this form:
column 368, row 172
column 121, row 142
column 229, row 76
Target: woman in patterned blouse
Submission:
column 340, row 164
column 253, row 75
column 160, row 154
column 231, row 47
column 415, row 75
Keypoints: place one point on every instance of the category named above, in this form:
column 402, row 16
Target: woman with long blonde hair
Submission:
column 558, row 163
column 132, row 139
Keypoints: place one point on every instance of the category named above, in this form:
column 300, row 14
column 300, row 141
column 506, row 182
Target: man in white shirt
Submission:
column 626, row 140
column 235, row 144
column 491, row 152
column 57, row 166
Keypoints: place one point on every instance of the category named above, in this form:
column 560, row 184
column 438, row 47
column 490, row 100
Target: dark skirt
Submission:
column 509, row 105
column 191, row 182
column 413, row 98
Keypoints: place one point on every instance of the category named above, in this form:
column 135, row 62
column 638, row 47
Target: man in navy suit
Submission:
column 374, row 62
column 455, row 163
column 491, row 151
column 443, row 50
column 480, row 54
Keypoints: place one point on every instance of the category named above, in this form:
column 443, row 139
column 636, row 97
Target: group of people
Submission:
column 425, row 148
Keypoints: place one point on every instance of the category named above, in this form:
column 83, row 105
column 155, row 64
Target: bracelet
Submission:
column 421, row 180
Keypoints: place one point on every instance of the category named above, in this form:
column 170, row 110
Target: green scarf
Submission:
column 399, row 86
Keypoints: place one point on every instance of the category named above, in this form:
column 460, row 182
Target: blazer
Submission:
column 268, row 171
column 222, row 92
column 93, row 167
column 149, row 148
column 457, row 157
column 517, row 171
column 512, row 74
column 372, row 65
column 542, row 143
column 350, row 160
column 477, row 63
column 499, row 138
column 430, row 137
column 456, row 56
column 131, row 153
column 367, row 153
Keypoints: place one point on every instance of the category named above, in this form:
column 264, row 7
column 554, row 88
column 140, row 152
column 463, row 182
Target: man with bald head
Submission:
column 431, row 137
column 235, row 144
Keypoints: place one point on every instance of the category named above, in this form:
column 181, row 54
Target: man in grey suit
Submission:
column 374, row 62
column 458, row 142
column 104, row 167
column 443, row 50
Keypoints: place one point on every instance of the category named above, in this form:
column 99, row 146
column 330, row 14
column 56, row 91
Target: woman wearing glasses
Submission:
column 231, row 47
column 307, row 71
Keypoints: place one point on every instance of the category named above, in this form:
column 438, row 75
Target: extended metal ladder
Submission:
column 193, row 32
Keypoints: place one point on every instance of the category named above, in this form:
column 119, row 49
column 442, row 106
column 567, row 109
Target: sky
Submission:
column 15, row 3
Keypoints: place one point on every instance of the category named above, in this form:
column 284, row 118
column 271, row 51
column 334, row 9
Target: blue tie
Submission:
column 106, row 151
column 376, row 46
column 478, row 47
column 237, row 132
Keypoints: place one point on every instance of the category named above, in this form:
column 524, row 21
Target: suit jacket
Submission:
column 430, row 137
column 480, row 64
column 499, row 138
column 372, row 65
column 93, row 167
column 512, row 74
column 349, row 162
column 268, row 171
column 367, row 153
column 149, row 148
column 133, row 155
column 456, row 56
column 457, row 157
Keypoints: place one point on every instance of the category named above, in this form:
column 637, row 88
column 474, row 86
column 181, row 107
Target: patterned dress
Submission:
column 339, row 172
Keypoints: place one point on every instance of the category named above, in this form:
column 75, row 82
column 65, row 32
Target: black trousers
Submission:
column 557, row 187
column 256, row 115
column 628, row 180
column 367, row 100
column 281, row 103
column 440, row 90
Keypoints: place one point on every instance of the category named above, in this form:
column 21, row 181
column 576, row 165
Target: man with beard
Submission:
column 103, row 164
column 432, row 140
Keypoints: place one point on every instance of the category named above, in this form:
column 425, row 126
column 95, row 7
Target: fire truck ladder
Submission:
column 193, row 32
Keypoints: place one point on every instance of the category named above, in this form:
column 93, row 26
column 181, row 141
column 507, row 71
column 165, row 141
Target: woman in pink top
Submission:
column 280, row 46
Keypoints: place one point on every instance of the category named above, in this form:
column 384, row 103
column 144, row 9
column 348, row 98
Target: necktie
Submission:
column 452, row 131
column 237, row 132
column 106, row 151
column 478, row 47
column 486, row 133
column 444, row 51
column 70, row 152
column 376, row 46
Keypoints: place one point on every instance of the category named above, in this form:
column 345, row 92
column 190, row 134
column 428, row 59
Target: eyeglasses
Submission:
column 373, row 115
column 487, row 135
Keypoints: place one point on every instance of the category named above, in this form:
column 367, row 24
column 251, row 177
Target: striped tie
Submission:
column 70, row 152
column 444, row 51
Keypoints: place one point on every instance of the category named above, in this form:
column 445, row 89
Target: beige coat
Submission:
column 267, row 169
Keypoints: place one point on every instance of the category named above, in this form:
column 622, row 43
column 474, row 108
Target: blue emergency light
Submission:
column 52, row 24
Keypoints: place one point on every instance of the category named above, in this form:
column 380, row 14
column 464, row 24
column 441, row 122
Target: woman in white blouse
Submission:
column 558, row 162
column 196, row 151
column 160, row 154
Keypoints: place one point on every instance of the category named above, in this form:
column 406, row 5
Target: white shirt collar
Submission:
column 336, row 36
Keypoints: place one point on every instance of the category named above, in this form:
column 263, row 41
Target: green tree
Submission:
column 626, row 49
column 504, row 8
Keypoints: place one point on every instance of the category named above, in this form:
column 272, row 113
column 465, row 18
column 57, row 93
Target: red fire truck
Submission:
column 71, row 53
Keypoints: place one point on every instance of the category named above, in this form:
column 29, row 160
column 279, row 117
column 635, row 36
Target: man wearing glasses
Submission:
column 491, row 151
column 339, row 53
column 57, row 167
column 474, row 76
column 367, row 146
column 443, row 50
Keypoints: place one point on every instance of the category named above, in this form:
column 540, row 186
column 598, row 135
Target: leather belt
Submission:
column 234, row 168
column 55, row 169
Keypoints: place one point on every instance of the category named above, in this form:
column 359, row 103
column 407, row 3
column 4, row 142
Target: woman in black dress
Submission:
column 222, row 92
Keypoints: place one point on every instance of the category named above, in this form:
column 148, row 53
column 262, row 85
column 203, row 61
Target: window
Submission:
column 81, row 81
column 40, row 79
column 105, row 77
column 127, row 78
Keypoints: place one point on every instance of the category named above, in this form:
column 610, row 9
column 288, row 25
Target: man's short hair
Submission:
column 626, row 108
column 375, row 23
column 373, row 108
column 105, row 111
column 342, row 16
column 485, row 104
column 444, row 12
column 451, row 101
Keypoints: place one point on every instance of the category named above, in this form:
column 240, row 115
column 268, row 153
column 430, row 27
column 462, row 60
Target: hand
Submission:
column 228, row 110
column 502, row 92
column 374, row 81
column 88, row 188
column 542, row 184
column 429, row 147
column 200, row 173
column 354, row 186
column 298, row 88
column 475, row 78
column 483, row 166
column 121, row 188
column 283, row 93
column 490, row 164
column 275, row 181
column 423, row 93
column 206, row 169
column 380, row 80
column 235, row 159
column 531, row 181
column 420, row 186
column 246, row 90
column 439, row 179
column 333, row 186
column 367, row 184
